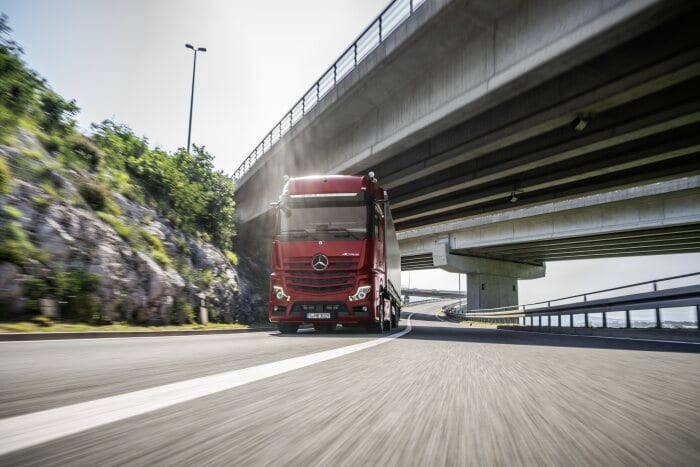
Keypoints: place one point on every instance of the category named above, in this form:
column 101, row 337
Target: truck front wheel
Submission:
column 286, row 328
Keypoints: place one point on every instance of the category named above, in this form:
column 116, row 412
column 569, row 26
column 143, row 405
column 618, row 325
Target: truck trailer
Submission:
column 335, row 256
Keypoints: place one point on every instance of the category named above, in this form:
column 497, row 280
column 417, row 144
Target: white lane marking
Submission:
column 28, row 430
column 603, row 337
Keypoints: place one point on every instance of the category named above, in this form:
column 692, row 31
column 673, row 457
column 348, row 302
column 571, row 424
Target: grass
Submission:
column 28, row 326
column 231, row 257
column 123, row 230
column 481, row 324
column 16, row 247
column 12, row 212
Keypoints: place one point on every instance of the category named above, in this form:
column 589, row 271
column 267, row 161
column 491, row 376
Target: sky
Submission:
column 126, row 60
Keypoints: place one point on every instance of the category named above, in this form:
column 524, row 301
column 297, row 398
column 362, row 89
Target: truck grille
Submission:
column 337, row 277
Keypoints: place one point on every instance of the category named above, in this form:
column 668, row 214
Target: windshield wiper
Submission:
column 349, row 232
column 305, row 232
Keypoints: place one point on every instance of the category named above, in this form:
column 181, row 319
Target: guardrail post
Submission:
column 318, row 91
column 380, row 29
column 411, row 6
column 628, row 321
column 657, row 314
column 549, row 321
column 335, row 75
column 605, row 320
column 303, row 106
column 354, row 46
column 697, row 313
column 585, row 320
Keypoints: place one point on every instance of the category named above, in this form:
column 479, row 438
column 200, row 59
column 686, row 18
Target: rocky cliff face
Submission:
column 58, row 253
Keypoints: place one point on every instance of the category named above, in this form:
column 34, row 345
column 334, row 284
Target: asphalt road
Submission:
column 441, row 394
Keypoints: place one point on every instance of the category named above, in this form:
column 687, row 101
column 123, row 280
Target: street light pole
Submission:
column 194, row 70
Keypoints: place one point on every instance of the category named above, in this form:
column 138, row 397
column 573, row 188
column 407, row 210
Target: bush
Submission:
column 94, row 194
column 77, row 295
column 123, row 230
column 5, row 177
column 40, row 203
column 49, row 189
column 43, row 321
column 51, row 143
column 183, row 312
column 12, row 212
column 231, row 257
column 87, row 150
column 162, row 258
column 16, row 247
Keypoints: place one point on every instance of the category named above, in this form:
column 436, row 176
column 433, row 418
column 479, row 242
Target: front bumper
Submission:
column 337, row 312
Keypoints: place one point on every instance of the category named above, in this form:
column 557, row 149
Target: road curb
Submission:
column 33, row 336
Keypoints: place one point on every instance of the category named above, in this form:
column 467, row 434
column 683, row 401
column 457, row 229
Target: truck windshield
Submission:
column 324, row 222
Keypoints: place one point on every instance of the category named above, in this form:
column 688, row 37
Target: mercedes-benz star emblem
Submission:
column 319, row 262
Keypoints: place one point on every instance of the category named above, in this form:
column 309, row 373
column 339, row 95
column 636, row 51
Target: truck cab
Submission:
column 335, row 256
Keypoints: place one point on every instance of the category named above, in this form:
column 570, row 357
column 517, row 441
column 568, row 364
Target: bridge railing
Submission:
column 389, row 19
column 648, row 304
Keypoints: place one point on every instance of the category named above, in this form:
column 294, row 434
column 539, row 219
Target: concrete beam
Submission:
column 443, row 258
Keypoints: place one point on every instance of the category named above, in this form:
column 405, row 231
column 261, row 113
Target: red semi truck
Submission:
column 335, row 257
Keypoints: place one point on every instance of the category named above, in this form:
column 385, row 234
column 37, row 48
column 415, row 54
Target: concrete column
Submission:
column 487, row 291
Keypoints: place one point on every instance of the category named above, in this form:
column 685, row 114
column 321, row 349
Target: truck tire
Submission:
column 324, row 327
column 377, row 328
column 285, row 328
column 387, row 325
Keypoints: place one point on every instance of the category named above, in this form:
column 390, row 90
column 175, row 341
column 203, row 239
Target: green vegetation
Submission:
column 184, row 185
column 5, row 176
column 15, row 246
column 231, row 256
column 12, row 212
column 34, row 326
column 123, row 230
column 25, row 99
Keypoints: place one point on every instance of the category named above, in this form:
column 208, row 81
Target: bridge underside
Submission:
column 660, row 218
column 637, row 107
column 682, row 239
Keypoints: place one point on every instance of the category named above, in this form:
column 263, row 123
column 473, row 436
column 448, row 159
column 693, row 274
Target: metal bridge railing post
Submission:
column 628, row 321
column 605, row 320
column 585, row 320
column 657, row 315
column 410, row 6
column 380, row 29
column 697, row 314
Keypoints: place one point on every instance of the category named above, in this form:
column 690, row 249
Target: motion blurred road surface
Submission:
column 442, row 394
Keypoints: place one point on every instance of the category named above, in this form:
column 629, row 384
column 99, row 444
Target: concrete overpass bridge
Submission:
column 413, row 292
column 508, row 133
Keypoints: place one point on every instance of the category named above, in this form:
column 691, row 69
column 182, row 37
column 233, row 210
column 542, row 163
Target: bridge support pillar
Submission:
column 487, row 291
column 491, row 283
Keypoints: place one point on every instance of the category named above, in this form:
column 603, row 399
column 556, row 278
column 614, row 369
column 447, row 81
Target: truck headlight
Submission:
column 361, row 293
column 278, row 291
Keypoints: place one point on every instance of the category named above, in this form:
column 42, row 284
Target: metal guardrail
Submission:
column 658, row 300
column 389, row 19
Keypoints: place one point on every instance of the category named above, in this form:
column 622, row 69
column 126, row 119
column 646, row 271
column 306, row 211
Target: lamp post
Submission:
column 194, row 69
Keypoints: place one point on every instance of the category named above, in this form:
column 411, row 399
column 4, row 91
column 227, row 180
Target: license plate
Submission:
column 318, row 315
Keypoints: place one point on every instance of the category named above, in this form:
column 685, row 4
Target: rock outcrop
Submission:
column 57, row 232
